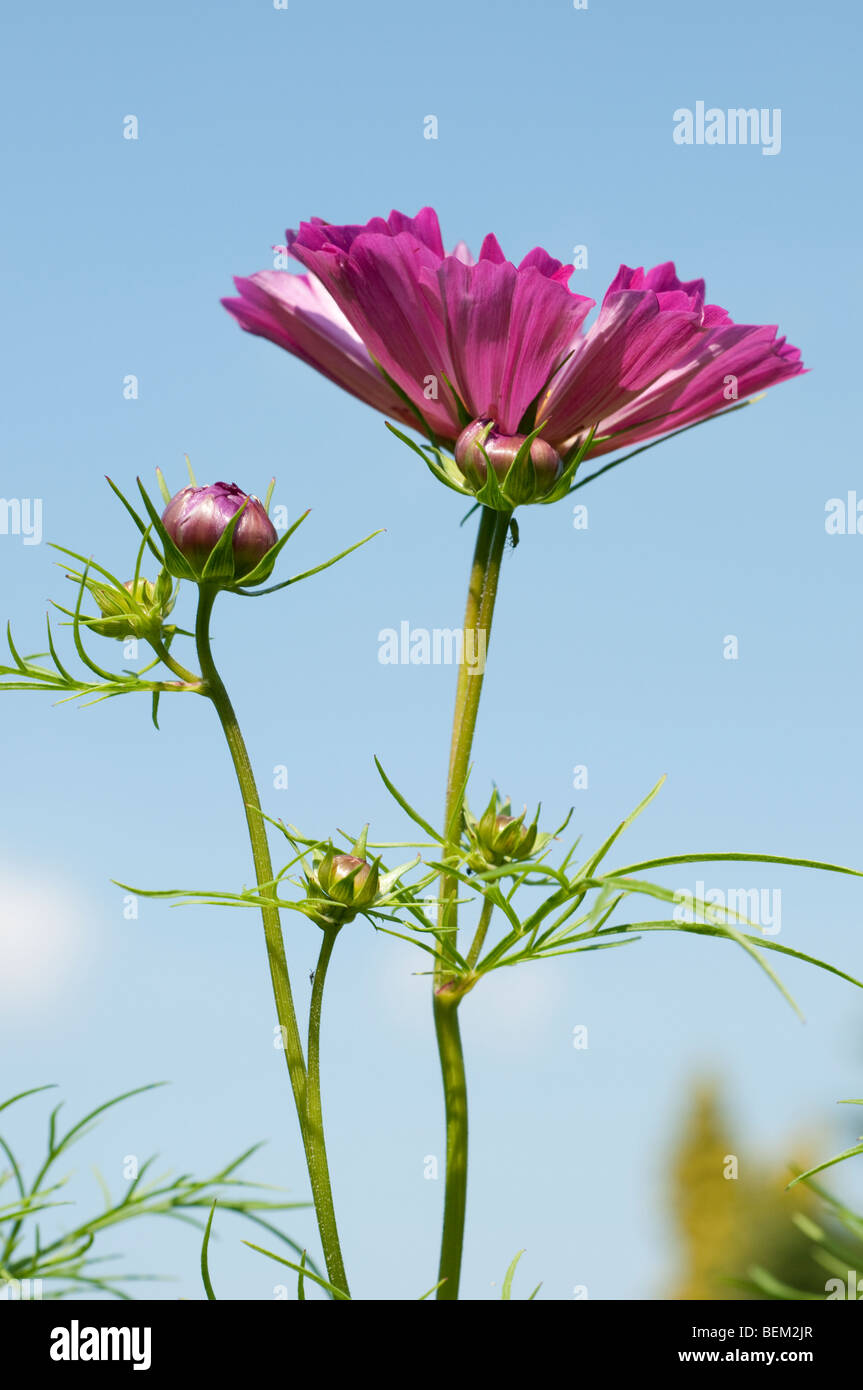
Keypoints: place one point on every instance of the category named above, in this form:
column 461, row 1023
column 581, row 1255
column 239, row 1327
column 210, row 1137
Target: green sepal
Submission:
column 570, row 468
column 518, row 487
column 146, row 531
column 359, row 846
column 306, row 574
column 615, row 463
column 442, row 466
column 490, row 494
column 264, row 568
column 220, row 565
column 163, row 486
column 422, row 423
column 174, row 560
column 464, row 415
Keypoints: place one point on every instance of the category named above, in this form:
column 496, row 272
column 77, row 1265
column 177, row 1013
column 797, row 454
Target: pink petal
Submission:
column 507, row 331
column 698, row 387
column 378, row 288
column 491, row 251
column 540, row 260
column 633, row 341
column 296, row 313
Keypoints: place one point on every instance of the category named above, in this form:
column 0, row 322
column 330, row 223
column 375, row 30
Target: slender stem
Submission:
column 479, row 611
column 315, row 1153
column 481, row 930
column 318, row 1168
column 161, row 650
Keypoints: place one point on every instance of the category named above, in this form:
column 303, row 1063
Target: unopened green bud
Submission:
column 137, row 609
column 498, row 837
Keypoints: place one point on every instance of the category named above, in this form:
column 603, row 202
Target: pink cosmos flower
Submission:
column 436, row 340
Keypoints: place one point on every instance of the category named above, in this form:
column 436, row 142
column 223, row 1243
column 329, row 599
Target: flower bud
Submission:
column 344, row 884
column 482, row 443
column 143, row 611
column 507, row 837
column 196, row 518
column 498, row 837
column 346, row 878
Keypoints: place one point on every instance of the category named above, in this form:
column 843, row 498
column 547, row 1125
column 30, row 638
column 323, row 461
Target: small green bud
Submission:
column 135, row 610
column 342, row 885
column 498, row 837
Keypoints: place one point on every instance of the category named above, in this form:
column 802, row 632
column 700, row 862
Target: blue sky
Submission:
column 554, row 128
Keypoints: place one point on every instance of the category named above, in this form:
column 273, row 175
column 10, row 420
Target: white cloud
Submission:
column 515, row 1007
column 509, row 1011
column 43, row 939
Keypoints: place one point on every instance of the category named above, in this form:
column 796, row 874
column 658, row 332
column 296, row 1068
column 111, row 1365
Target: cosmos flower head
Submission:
column 439, row 341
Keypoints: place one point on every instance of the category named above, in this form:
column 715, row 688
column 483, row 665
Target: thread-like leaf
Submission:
column 506, row 1291
column 205, row 1266
column 324, row 1284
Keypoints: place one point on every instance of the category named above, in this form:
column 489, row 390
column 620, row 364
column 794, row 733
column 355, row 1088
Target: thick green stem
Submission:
column 317, row 1152
column 455, row 1099
column 479, row 611
column 286, row 1013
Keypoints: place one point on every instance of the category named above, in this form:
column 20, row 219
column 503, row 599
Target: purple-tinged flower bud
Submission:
column 481, row 443
column 197, row 516
column 343, row 884
column 345, row 864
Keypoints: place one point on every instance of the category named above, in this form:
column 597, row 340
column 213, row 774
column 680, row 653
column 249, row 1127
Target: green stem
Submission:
column 315, row 1121
column 482, row 928
column 161, row 650
column 479, row 611
column 455, row 1100
column 286, row 1013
